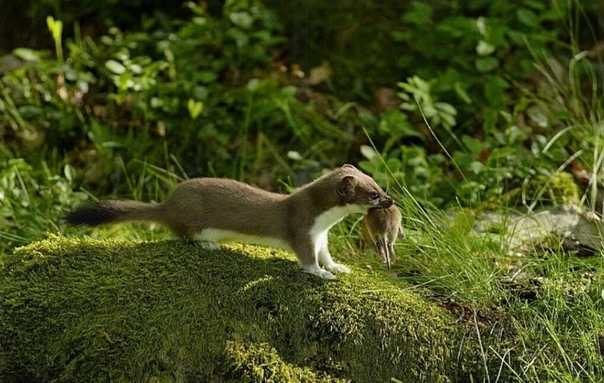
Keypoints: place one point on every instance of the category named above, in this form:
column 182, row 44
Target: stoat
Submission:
column 381, row 227
column 222, row 210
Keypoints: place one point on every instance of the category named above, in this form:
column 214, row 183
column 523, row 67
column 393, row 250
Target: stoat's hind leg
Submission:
column 207, row 245
column 190, row 236
column 182, row 232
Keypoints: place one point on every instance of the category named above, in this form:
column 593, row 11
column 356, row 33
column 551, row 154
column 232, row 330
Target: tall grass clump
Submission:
column 536, row 312
column 32, row 200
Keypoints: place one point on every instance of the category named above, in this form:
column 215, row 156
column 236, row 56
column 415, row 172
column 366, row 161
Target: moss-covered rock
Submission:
column 76, row 310
column 543, row 190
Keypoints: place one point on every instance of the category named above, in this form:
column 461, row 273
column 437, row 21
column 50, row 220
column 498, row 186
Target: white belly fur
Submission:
column 219, row 235
column 318, row 231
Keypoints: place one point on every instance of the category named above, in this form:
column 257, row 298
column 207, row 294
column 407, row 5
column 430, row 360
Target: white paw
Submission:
column 319, row 272
column 337, row 268
column 207, row 245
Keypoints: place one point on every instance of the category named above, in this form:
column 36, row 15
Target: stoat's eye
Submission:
column 373, row 196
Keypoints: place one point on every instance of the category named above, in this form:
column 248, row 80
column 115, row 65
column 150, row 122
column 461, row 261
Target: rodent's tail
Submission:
column 102, row 212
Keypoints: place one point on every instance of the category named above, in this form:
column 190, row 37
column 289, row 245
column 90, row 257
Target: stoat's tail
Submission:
column 102, row 212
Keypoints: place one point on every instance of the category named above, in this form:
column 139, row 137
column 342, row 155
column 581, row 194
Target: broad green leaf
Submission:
column 241, row 19
column 473, row 145
column 69, row 172
column 502, row 153
column 195, row 108
column 527, row 17
column 494, row 88
column 207, row 76
column 476, row 167
column 27, row 54
column 486, row 64
column 293, row 155
column 484, row 49
column 115, row 67
column 29, row 112
column 420, row 15
column 368, row 152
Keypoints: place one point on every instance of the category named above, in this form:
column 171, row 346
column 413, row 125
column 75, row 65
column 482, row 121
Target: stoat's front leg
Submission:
column 324, row 256
column 307, row 254
column 328, row 262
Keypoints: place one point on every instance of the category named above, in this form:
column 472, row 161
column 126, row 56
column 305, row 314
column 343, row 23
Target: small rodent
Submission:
column 381, row 227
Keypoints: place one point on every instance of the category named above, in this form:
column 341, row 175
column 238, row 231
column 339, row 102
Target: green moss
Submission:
column 551, row 190
column 85, row 310
column 262, row 363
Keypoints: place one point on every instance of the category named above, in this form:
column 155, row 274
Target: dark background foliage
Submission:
column 452, row 101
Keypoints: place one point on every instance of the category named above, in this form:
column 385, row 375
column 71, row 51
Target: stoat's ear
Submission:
column 348, row 166
column 346, row 186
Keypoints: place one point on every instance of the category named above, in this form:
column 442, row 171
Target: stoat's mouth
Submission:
column 386, row 203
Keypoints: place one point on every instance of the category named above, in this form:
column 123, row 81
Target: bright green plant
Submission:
column 417, row 97
column 471, row 59
column 547, row 129
column 201, row 91
column 32, row 201
column 56, row 29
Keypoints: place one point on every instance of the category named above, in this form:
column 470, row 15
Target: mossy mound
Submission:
column 76, row 310
column 543, row 190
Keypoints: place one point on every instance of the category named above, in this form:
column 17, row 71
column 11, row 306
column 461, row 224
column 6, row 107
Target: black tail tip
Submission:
column 88, row 215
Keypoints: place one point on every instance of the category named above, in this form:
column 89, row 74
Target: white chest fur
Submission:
column 325, row 221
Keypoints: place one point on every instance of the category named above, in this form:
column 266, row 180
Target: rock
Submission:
column 571, row 223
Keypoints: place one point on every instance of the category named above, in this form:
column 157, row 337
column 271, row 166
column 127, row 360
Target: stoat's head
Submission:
column 357, row 188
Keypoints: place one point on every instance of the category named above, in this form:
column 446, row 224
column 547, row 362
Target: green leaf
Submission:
column 473, row 145
column 294, row 155
column 493, row 90
column 476, row 167
column 420, row 15
column 517, row 37
column 484, row 49
column 55, row 27
column 69, row 172
column 527, row 17
column 27, row 54
column 446, row 108
column 207, row 76
column 29, row 112
column 368, row 152
column 241, row 19
column 502, row 153
column 195, row 108
column 394, row 122
column 486, row 64
column 461, row 92
column 115, row 67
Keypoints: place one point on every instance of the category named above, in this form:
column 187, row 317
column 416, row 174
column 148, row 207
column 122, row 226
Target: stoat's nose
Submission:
column 386, row 202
